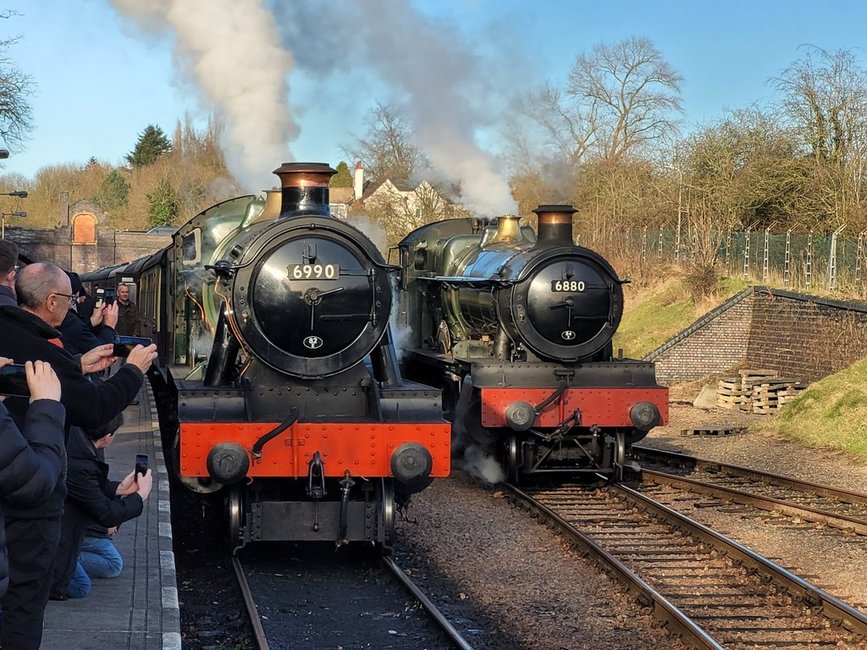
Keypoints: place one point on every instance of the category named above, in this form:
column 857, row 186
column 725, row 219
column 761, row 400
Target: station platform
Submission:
column 137, row 610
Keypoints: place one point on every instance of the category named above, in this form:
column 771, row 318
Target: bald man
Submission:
column 28, row 333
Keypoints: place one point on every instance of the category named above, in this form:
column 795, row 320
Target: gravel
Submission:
column 509, row 581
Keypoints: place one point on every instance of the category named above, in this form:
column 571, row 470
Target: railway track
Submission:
column 714, row 592
column 361, row 603
column 821, row 504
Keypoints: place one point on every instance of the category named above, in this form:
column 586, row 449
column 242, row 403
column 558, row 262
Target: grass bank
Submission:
column 653, row 314
column 831, row 413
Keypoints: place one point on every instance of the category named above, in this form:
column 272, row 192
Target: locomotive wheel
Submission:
column 513, row 460
column 385, row 509
column 235, row 503
column 619, row 455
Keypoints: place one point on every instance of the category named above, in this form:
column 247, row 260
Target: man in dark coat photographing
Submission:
column 31, row 460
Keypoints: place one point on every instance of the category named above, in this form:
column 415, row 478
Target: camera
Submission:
column 13, row 381
column 141, row 464
column 123, row 345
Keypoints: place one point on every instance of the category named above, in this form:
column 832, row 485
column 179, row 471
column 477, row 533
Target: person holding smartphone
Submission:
column 93, row 498
column 31, row 459
column 80, row 335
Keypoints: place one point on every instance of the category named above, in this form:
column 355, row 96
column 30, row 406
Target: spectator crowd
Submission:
column 58, row 508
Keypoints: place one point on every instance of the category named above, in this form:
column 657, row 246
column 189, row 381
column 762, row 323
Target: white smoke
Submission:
column 231, row 48
column 371, row 228
column 481, row 465
column 446, row 86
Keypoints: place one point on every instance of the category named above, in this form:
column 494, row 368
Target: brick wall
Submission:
column 714, row 343
column 111, row 248
column 58, row 245
column 805, row 336
column 799, row 335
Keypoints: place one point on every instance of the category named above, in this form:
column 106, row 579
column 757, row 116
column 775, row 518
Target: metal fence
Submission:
column 793, row 260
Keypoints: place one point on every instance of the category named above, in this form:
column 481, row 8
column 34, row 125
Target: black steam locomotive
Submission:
column 517, row 332
column 281, row 384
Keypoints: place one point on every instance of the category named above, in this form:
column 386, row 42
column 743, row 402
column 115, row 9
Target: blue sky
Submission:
column 100, row 81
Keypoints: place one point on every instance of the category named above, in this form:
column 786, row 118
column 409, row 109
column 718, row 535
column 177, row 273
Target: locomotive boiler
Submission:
column 517, row 329
column 281, row 387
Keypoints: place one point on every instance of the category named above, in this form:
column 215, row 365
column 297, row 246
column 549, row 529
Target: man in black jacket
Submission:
column 80, row 335
column 32, row 534
column 128, row 320
column 93, row 498
column 30, row 464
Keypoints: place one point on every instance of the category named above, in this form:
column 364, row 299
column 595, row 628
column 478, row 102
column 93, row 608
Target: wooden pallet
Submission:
column 757, row 391
column 714, row 430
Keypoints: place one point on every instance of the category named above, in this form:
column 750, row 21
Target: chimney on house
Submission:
column 358, row 181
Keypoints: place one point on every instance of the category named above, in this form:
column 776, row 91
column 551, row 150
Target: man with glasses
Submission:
column 8, row 268
column 28, row 333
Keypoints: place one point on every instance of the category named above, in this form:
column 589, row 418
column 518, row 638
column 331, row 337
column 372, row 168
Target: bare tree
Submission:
column 629, row 91
column 566, row 130
column 825, row 100
column 387, row 150
column 591, row 141
column 15, row 87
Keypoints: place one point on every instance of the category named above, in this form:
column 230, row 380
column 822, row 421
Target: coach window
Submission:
column 84, row 228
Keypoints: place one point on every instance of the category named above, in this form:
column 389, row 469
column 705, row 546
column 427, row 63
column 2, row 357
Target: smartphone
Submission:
column 141, row 464
column 100, row 299
column 123, row 345
column 13, row 381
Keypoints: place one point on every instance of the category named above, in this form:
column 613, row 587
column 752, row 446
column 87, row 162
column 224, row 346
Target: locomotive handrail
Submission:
column 446, row 279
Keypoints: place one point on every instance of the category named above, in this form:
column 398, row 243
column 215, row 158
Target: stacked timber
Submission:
column 757, row 391
column 730, row 395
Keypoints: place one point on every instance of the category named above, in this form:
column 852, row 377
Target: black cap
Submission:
column 75, row 281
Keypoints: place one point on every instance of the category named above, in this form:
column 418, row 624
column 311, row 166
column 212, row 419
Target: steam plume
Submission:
column 232, row 50
column 446, row 86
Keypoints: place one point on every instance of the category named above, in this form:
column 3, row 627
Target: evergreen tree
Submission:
column 163, row 204
column 152, row 143
column 114, row 191
column 342, row 178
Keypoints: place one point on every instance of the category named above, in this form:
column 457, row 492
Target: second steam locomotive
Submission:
column 517, row 329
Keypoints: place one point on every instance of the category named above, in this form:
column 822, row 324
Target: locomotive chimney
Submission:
column 305, row 189
column 555, row 224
